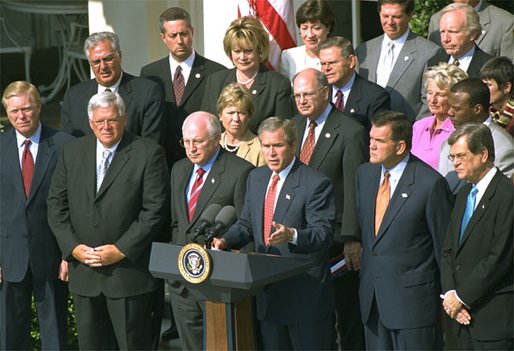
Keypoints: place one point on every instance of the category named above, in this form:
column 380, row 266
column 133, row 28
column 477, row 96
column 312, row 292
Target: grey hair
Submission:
column 472, row 19
column 98, row 37
column 344, row 45
column 213, row 122
column 105, row 99
column 478, row 137
column 271, row 124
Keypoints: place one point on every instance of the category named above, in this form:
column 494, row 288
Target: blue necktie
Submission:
column 470, row 206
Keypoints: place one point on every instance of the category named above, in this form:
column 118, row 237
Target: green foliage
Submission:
column 72, row 328
column 424, row 10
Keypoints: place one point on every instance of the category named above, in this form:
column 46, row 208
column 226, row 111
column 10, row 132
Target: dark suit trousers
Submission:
column 189, row 316
column 305, row 336
column 114, row 323
column 51, row 298
column 379, row 337
column 465, row 341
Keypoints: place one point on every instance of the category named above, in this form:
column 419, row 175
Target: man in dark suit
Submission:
column 396, row 60
column 143, row 98
column 177, row 34
column 350, row 93
column 298, row 219
column 338, row 150
column 404, row 207
column 108, row 201
column 477, row 269
column 30, row 259
column 460, row 27
column 209, row 175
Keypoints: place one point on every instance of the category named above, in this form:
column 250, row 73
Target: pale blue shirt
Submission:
column 207, row 168
column 395, row 174
column 320, row 121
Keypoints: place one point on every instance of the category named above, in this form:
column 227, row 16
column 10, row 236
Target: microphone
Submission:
column 206, row 220
column 224, row 219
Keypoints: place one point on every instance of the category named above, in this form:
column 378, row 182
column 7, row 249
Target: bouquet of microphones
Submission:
column 213, row 221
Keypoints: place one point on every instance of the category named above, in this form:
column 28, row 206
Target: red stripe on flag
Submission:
column 275, row 24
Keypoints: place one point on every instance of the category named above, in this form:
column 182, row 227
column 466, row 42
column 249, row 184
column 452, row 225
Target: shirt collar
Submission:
column 187, row 63
column 209, row 164
column 114, row 88
column 397, row 170
column 34, row 138
column 285, row 172
column 321, row 119
column 466, row 57
column 400, row 41
column 485, row 181
column 344, row 89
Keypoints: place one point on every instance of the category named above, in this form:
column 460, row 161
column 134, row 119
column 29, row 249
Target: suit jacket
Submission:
column 400, row 266
column 271, row 94
column 340, row 149
column 26, row 241
column 405, row 85
column 143, row 105
column 306, row 203
column 366, row 99
column 130, row 210
column 160, row 72
column 497, row 36
column 477, row 61
column 224, row 185
column 479, row 266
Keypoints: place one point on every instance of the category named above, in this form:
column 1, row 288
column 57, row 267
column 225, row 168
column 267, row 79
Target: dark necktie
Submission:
column 308, row 145
column 195, row 192
column 27, row 167
column 470, row 207
column 340, row 100
column 382, row 201
column 179, row 85
column 269, row 207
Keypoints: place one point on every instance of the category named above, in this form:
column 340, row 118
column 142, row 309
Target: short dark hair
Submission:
column 174, row 14
column 478, row 137
column 499, row 69
column 476, row 89
column 316, row 11
column 401, row 127
column 344, row 45
column 408, row 5
column 272, row 124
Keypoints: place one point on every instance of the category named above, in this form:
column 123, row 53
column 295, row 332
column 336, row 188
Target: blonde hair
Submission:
column 235, row 95
column 247, row 32
column 444, row 75
column 18, row 88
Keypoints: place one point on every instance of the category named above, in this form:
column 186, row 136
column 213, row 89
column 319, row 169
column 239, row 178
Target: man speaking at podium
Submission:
column 209, row 175
column 290, row 211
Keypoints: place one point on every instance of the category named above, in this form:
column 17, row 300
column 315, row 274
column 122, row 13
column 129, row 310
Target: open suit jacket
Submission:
column 340, row 149
column 25, row 237
column 479, row 266
column 174, row 115
column 497, row 36
column 477, row 61
column 306, row 203
column 400, row 266
column 366, row 98
column 405, row 84
column 143, row 105
column 130, row 210
column 271, row 94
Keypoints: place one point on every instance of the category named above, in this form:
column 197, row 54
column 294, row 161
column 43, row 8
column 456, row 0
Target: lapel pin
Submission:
column 327, row 135
column 352, row 110
column 406, row 58
column 404, row 195
column 288, row 196
column 198, row 75
column 483, row 206
column 213, row 180
column 254, row 91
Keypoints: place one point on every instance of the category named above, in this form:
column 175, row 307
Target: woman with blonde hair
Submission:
column 246, row 43
column 235, row 109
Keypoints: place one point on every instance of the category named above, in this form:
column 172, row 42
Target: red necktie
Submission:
column 340, row 100
column 195, row 192
column 269, row 207
column 27, row 167
column 179, row 85
column 382, row 201
column 308, row 145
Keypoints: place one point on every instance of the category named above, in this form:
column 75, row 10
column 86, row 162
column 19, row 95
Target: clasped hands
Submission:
column 99, row 256
column 455, row 309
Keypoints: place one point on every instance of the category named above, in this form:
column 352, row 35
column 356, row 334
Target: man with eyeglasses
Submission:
column 349, row 92
column 208, row 175
column 108, row 201
column 477, row 256
column 469, row 103
column 142, row 97
column 335, row 144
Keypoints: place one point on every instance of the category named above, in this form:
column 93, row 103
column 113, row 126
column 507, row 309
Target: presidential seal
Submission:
column 194, row 263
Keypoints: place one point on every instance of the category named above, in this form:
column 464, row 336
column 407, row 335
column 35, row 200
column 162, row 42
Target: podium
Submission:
column 234, row 278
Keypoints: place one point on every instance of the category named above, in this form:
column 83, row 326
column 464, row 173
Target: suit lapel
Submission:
column 287, row 193
column 11, row 155
column 301, row 123
column 326, row 139
column 125, row 90
column 351, row 107
column 45, row 154
column 373, row 57
column 195, row 77
column 119, row 159
column 260, row 82
column 405, row 58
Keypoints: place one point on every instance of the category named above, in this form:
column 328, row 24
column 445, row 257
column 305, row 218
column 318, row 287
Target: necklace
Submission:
column 247, row 81
column 230, row 148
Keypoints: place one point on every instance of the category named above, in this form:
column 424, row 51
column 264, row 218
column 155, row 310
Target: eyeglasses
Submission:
column 460, row 157
column 193, row 142
column 329, row 64
column 108, row 122
column 107, row 60
column 306, row 96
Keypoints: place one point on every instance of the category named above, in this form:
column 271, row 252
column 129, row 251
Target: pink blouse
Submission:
column 426, row 145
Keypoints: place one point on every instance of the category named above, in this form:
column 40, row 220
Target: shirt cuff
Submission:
column 294, row 239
